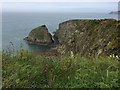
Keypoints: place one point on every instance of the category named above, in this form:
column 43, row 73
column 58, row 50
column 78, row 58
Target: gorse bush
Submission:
column 26, row 70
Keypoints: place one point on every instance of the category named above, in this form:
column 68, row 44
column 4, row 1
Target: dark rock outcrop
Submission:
column 89, row 37
column 39, row 35
column 115, row 12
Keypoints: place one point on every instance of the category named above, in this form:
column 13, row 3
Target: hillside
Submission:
column 89, row 37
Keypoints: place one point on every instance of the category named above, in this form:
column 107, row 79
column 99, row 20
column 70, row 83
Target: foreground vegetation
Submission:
column 26, row 70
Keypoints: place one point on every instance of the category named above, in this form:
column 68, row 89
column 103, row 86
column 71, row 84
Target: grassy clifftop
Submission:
column 89, row 37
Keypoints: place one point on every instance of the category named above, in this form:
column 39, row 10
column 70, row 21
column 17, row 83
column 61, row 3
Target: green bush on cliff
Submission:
column 89, row 37
column 26, row 70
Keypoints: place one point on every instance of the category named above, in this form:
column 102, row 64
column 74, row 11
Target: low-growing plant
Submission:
column 27, row 70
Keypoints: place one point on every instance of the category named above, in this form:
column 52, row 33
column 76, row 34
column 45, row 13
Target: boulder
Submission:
column 39, row 35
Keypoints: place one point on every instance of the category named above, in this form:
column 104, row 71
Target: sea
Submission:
column 17, row 25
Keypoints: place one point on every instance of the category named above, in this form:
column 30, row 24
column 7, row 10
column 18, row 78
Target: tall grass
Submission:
column 0, row 69
column 26, row 70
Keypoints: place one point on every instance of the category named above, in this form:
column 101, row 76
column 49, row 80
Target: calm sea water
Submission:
column 16, row 26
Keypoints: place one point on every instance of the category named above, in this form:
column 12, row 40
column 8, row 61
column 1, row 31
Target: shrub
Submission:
column 26, row 70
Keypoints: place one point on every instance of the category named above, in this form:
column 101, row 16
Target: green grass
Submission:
column 26, row 70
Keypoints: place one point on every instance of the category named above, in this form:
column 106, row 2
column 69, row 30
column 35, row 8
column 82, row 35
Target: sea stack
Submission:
column 40, row 36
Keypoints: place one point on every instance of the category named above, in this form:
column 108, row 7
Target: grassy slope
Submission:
column 88, row 37
column 28, row 70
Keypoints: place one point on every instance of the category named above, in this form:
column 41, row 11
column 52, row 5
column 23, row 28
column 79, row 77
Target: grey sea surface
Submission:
column 17, row 25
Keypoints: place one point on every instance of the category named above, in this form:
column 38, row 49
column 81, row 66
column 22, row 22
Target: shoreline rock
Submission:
column 39, row 36
column 115, row 12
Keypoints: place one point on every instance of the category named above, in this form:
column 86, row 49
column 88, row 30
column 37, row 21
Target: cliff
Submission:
column 89, row 37
column 39, row 35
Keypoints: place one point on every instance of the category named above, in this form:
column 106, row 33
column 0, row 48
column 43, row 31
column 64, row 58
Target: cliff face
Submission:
column 39, row 35
column 89, row 37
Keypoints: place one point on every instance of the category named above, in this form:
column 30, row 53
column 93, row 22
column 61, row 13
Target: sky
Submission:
column 59, row 6
column 59, row 0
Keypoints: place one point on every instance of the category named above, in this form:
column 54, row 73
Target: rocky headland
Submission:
column 83, row 37
column 89, row 37
column 115, row 12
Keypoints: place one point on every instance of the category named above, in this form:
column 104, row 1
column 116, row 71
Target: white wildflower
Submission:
column 117, row 56
column 110, row 56
column 72, row 55
column 76, row 31
column 113, row 56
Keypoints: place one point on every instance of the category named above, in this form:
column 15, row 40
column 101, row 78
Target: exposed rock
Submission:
column 89, row 37
column 115, row 12
column 39, row 35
